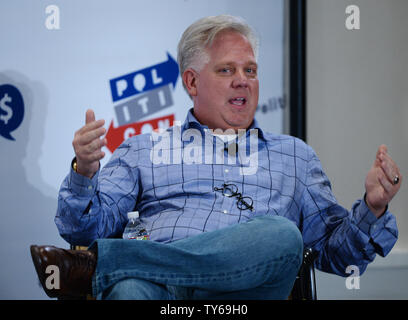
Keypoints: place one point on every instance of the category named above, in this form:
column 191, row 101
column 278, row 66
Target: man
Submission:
column 218, row 231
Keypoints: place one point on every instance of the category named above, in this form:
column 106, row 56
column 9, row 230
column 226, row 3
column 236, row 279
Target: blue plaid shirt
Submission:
column 178, row 199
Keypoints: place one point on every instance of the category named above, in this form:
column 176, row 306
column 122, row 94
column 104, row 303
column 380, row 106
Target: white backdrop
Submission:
column 60, row 73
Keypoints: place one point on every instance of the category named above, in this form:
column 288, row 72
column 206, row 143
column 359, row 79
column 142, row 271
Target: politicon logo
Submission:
column 139, row 95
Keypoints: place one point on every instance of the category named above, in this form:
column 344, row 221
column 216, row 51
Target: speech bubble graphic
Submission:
column 11, row 110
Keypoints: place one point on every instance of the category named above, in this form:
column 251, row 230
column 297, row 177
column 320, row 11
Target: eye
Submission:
column 225, row 70
column 251, row 71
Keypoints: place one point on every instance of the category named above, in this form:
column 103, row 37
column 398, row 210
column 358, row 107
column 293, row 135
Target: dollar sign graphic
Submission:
column 9, row 112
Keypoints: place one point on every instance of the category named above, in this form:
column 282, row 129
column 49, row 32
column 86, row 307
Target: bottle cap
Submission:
column 133, row 215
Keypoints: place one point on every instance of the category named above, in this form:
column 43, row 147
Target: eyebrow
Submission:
column 253, row 63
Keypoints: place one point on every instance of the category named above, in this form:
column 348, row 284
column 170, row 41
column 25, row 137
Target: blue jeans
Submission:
column 258, row 259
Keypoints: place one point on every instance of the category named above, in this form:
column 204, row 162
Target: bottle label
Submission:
column 141, row 237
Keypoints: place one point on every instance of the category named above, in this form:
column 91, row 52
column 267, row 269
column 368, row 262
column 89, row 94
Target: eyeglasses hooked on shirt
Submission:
column 231, row 190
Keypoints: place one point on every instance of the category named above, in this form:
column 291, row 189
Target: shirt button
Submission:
column 89, row 187
column 225, row 211
column 226, row 170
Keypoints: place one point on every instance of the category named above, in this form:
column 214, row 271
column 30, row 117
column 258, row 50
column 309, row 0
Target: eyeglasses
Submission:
column 231, row 190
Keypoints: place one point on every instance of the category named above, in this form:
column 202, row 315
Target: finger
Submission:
column 390, row 188
column 89, row 116
column 377, row 162
column 388, row 171
column 387, row 157
column 88, row 157
column 389, row 167
column 382, row 149
column 89, row 136
column 95, row 145
column 91, row 126
column 385, row 182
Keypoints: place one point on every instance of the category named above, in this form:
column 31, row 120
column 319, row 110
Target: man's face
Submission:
column 227, row 87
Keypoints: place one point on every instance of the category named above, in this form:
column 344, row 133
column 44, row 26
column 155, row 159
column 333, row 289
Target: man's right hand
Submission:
column 88, row 145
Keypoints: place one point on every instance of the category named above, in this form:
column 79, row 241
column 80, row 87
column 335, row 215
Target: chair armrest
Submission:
column 305, row 283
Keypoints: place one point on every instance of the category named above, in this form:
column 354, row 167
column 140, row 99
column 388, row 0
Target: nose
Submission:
column 240, row 80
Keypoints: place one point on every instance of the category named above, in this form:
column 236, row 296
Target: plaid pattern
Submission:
column 178, row 200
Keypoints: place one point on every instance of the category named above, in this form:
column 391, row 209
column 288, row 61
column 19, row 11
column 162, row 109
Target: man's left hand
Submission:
column 382, row 183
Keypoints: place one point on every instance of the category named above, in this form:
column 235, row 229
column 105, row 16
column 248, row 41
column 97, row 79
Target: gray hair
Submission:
column 191, row 48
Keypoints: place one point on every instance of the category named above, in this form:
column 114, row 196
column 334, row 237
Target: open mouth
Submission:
column 238, row 101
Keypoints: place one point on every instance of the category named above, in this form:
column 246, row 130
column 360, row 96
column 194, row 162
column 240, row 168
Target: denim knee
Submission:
column 277, row 228
column 294, row 239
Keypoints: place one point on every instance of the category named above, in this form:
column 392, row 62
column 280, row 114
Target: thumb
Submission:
column 89, row 116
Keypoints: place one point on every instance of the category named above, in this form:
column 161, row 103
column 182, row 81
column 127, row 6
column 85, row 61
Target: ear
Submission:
column 190, row 81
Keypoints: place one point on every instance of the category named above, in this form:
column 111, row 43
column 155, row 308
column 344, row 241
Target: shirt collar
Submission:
column 192, row 122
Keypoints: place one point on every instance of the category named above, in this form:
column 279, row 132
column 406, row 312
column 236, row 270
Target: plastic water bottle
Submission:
column 135, row 229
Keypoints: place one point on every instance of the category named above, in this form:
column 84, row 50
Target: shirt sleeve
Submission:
column 89, row 209
column 341, row 237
